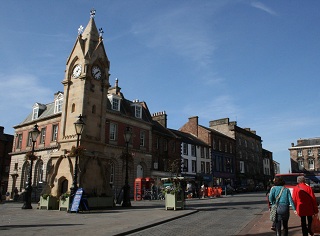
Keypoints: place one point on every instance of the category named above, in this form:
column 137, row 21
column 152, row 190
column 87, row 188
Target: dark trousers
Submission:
column 282, row 220
column 306, row 228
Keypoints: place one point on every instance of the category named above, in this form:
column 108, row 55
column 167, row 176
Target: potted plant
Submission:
column 48, row 202
column 64, row 201
column 174, row 195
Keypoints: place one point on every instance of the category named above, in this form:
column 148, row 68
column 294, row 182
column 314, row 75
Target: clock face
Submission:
column 96, row 72
column 76, row 71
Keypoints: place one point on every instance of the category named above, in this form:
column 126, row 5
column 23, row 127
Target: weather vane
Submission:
column 101, row 32
column 92, row 13
column 80, row 30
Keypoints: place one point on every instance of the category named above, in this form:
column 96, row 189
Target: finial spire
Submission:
column 92, row 13
column 101, row 32
column 80, row 30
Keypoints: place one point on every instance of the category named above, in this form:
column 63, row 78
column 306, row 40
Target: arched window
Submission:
column 94, row 109
column 73, row 107
column 24, row 175
column 49, row 167
column 64, row 186
column 38, row 172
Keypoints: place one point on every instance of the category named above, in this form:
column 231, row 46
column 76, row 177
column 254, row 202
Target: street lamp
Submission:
column 34, row 135
column 79, row 125
column 126, row 188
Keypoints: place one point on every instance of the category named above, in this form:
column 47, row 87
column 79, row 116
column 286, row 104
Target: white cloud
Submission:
column 263, row 7
column 18, row 94
column 22, row 91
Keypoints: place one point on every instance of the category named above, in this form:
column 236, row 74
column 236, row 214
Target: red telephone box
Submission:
column 139, row 186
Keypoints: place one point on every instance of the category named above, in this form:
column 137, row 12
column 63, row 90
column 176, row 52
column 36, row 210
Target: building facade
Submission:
column 166, row 151
column 6, row 142
column 305, row 156
column 222, row 150
column 106, row 113
column 248, row 148
column 195, row 159
column 268, row 167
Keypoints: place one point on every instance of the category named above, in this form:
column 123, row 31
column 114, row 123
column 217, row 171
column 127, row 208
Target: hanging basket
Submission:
column 30, row 156
column 76, row 151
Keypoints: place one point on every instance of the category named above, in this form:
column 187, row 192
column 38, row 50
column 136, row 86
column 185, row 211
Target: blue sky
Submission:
column 256, row 62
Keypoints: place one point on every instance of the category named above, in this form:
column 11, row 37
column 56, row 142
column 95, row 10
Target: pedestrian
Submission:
column 269, row 186
column 189, row 189
column 15, row 194
column 281, row 195
column 7, row 196
column 306, row 203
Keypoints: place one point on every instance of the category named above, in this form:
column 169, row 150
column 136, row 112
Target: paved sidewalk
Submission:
column 261, row 225
column 115, row 221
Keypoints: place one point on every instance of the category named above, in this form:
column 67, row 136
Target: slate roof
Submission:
column 47, row 112
column 216, row 132
column 308, row 142
column 189, row 138
column 163, row 130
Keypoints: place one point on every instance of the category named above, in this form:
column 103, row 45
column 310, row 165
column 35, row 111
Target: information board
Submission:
column 76, row 200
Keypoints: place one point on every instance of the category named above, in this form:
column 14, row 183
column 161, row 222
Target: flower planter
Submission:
column 64, row 204
column 100, row 202
column 49, row 203
column 174, row 201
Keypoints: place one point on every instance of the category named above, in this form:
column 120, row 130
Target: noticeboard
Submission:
column 76, row 200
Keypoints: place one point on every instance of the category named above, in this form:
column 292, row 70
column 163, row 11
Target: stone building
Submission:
column 106, row 114
column 166, row 149
column 249, row 161
column 6, row 142
column 222, row 149
column 305, row 156
column 268, row 167
column 195, row 158
column 120, row 114
column 47, row 117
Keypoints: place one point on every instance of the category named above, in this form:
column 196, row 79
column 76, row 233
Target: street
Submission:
column 218, row 216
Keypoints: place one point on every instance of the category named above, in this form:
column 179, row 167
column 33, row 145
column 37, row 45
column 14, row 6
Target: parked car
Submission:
column 241, row 189
column 230, row 190
column 259, row 187
column 315, row 187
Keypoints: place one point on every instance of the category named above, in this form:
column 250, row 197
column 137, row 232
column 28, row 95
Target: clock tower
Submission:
column 86, row 84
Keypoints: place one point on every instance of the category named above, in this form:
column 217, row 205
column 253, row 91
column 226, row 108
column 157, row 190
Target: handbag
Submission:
column 315, row 225
column 273, row 210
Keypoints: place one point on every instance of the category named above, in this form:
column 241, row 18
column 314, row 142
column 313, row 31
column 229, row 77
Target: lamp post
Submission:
column 34, row 135
column 79, row 125
column 126, row 188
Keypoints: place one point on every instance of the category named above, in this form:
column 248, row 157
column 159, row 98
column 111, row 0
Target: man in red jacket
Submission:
column 306, row 204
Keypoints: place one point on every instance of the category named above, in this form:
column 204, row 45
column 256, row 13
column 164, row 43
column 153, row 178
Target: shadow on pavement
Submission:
column 4, row 227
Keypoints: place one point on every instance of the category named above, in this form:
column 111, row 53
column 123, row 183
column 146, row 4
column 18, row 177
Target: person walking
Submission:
column 306, row 203
column 269, row 186
column 281, row 195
